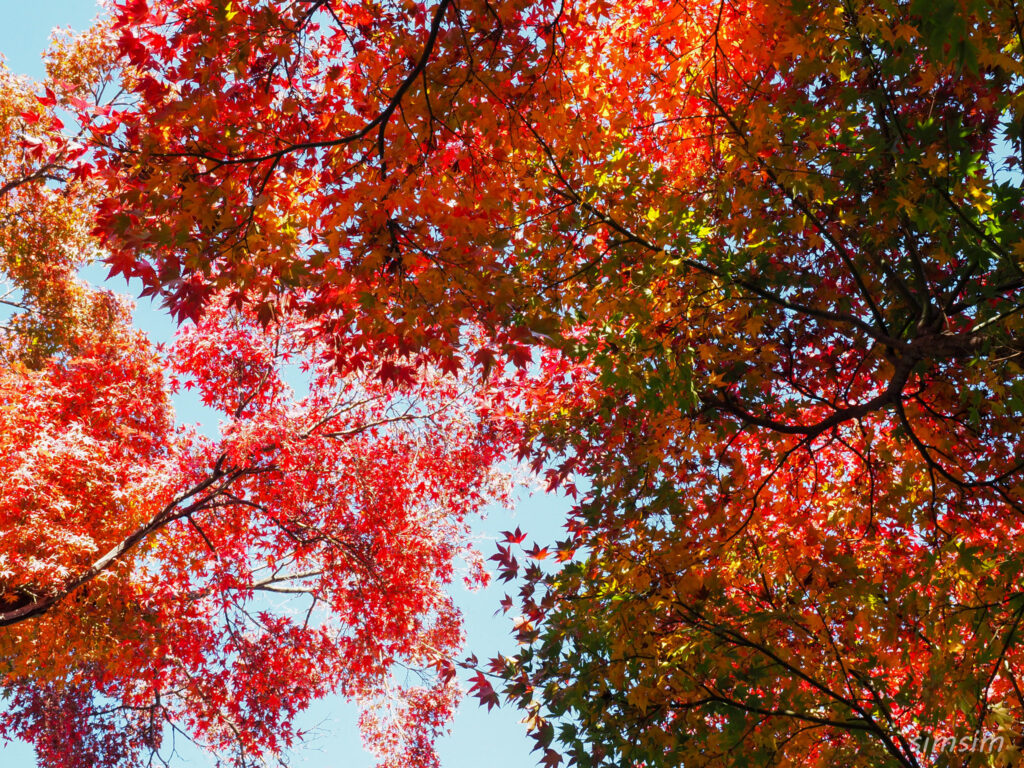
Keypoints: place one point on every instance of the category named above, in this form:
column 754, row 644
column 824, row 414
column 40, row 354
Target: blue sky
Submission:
column 495, row 739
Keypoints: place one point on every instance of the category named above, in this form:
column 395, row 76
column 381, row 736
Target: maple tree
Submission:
column 804, row 433
column 767, row 258
column 156, row 580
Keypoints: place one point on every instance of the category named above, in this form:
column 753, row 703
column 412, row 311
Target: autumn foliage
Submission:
column 156, row 579
column 744, row 278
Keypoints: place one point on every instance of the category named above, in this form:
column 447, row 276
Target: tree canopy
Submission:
column 744, row 277
column 154, row 578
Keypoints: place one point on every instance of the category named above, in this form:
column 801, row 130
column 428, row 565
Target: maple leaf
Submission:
column 514, row 537
column 537, row 552
column 481, row 689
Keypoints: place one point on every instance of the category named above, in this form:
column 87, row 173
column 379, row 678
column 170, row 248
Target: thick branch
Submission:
column 165, row 516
